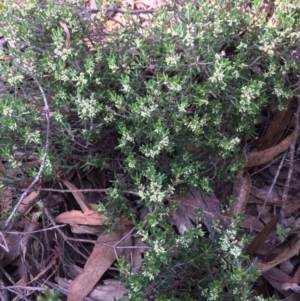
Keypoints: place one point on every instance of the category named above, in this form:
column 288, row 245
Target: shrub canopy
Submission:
column 161, row 105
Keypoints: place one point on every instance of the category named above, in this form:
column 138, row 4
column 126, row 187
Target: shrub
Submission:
column 166, row 106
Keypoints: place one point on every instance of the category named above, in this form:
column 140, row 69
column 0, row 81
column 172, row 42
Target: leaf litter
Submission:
column 37, row 249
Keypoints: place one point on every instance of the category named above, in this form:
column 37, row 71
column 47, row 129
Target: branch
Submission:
column 291, row 163
column 43, row 162
column 83, row 190
column 271, row 188
column 121, row 11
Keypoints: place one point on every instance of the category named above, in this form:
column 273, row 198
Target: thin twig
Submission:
column 121, row 11
column 72, row 190
column 32, row 232
column 121, row 240
column 266, row 166
column 11, row 280
column 68, row 239
column 43, row 161
column 29, row 288
column 63, row 235
column 83, row 190
column 271, row 188
column 4, row 244
column 291, row 163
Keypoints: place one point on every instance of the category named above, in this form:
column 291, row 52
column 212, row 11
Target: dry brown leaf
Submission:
column 291, row 286
column 79, row 197
column 181, row 220
column 260, row 157
column 241, row 192
column 101, row 258
column 296, row 277
column 44, row 270
column 291, row 208
column 5, row 194
column 250, row 222
column 83, row 229
column 265, row 250
column 265, row 212
column 90, row 217
column 254, row 200
column 276, row 129
column 287, row 267
column 28, row 199
column 276, row 277
column 262, row 193
column 193, row 200
column 16, row 243
column 260, row 237
column 287, row 253
column 21, row 282
column 67, row 32
column 110, row 290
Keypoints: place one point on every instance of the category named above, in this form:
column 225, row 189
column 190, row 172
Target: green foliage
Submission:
column 282, row 232
column 49, row 296
column 163, row 107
